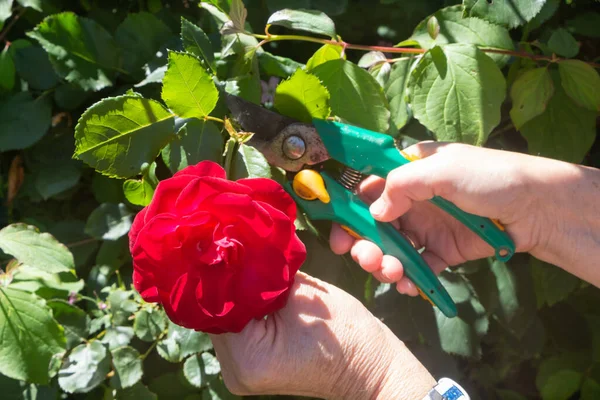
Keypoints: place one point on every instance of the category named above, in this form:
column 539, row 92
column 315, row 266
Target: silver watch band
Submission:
column 447, row 389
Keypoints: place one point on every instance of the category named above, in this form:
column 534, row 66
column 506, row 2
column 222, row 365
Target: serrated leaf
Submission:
column 272, row 65
column 250, row 163
column 117, row 336
column 84, row 368
column 511, row 13
column 552, row 284
column 128, row 367
column 138, row 192
column 23, row 121
column 196, row 141
column 231, row 43
column 563, row 43
column 140, row 36
column 454, row 27
column 304, row 20
column 302, row 97
column 188, row 89
column 80, row 49
column 7, row 71
column 395, row 91
column 117, row 135
column 327, row 52
column 355, row 95
column 109, row 221
column 39, row 250
column 563, row 131
column 181, row 342
column 73, row 319
column 196, row 42
column 530, row 94
column 581, row 83
column 149, row 324
column 29, row 336
column 456, row 92
column 200, row 369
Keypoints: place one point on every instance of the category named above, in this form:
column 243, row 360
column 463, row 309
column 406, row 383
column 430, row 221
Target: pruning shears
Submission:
column 303, row 149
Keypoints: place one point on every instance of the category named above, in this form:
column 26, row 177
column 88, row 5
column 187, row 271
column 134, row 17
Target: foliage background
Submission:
column 526, row 329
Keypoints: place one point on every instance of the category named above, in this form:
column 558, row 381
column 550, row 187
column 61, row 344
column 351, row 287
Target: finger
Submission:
column 371, row 188
column 405, row 286
column 437, row 265
column 367, row 255
column 425, row 148
column 390, row 271
column 339, row 240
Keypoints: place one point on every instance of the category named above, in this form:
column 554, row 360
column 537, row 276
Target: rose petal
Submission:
column 198, row 190
column 271, row 192
column 136, row 226
column 144, row 284
column 214, row 292
column 204, row 168
column 166, row 194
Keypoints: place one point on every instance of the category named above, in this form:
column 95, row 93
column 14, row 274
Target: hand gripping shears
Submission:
column 301, row 149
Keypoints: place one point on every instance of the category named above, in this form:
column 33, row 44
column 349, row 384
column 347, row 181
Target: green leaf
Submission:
column 511, row 13
column 188, row 89
column 117, row 336
column 381, row 72
column 581, row 83
column 395, row 91
column 61, row 177
column 73, row 319
column 140, row 36
column 45, row 284
column 71, row 231
column 128, row 367
column 107, row 190
column 23, row 121
column 506, row 283
column 564, row 131
column 114, row 253
column 196, row 141
column 304, row 20
column 181, row 342
column 272, row 65
column 80, row 49
column 35, row 4
column 548, row 10
column 250, row 163
column 33, row 65
column 196, row 42
column 149, row 324
column 355, row 96
column 199, row 369
column 371, row 58
column 562, row 385
column 433, row 27
column 7, row 71
column 70, row 96
column 455, row 28
column 563, row 43
column 85, row 368
column 231, row 43
column 458, row 288
column 117, row 135
column 302, row 97
column 136, row 392
column 456, row 92
column 237, row 15
column 327, row 52
column 109, row 221
column 138, row 192
column 549, row 367
column 29, row 336
column 585, row 24
column 530, row 95
column 590, row 390
column 217, row 390
column 39, row 250
column 552, row 284
column 5, row 11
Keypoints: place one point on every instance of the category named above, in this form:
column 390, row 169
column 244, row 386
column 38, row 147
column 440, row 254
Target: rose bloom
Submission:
column 216, row 253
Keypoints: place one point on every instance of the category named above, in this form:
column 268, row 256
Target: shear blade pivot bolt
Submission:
column 294, row 147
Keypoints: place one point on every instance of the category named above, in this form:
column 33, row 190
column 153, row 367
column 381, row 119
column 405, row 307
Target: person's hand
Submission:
column 534, row 198
column 324, row 343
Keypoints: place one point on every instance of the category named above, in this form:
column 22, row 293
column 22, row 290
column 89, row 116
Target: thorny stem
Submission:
column 402, row 50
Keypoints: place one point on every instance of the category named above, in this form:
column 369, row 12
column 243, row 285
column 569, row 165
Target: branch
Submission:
column 12, row 23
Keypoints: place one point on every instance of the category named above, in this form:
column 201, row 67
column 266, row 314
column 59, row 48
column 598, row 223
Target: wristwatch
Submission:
column 447, row 389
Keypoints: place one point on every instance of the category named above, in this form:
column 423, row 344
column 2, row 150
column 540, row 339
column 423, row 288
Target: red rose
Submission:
column 216, row 253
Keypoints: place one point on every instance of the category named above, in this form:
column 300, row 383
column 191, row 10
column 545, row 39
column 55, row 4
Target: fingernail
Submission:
column 378, row 207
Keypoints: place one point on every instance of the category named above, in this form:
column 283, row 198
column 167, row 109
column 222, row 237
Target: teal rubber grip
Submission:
column 374, row 153
column 347, row 209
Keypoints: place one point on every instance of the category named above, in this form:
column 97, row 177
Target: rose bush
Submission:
column 216, row 253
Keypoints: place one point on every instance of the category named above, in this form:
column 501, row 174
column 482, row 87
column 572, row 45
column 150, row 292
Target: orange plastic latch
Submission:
column 423, row 295
column 498, row 224
column 351, row 232
column 409, row 157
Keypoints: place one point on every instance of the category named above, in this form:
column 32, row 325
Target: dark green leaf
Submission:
column 29, row 336
column 85, row 368
column 52, row 181
column 511, row 13
column 117, row 135
column 23, row 121
column 109, row 221
column 187, row 88
column 70, row 96
column 581, row 83
column 73, row 319
column 107, row 190
column 35, row 4
column 174, row 386
column 564, row 131
column 456, row 92
column 590, row 390
column 196, row 141
column 71, row 231
column 80, row 49
column 250, row 163
column 563, row 43
column 302, row 97
column 114, row 253
column 355, row 96
column 136, row 392
column 7, row 70
column 548, row 10
column 585, row 24
column 562, row 385
column 272, row 65
column 453, row 27
column 34, row 67
column 217, row 391
column 395, row 91
column 39, row 250
column 196, row 42
column 530, row 94
column 128, row 367
column 199, row 369
column 181, row 342
column 326, row 53
column 304, row 20
column 149, row 323
column 138, row 192
column 140, row 36
column 552, row 284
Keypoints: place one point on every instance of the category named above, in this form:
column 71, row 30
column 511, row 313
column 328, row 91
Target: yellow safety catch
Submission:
column 309, row 185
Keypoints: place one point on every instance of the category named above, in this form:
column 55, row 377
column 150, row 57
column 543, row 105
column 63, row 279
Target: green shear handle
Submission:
column 374, row 153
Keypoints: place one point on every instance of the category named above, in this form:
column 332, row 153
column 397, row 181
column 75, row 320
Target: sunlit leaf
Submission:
column 85, row 368
column 128, row 367
column 302, row 97
column 327, row 52
column 511, row 13
column 304, row 20
column 581, row 83
column 109, row 221
column 196, row 42
column 530, row 94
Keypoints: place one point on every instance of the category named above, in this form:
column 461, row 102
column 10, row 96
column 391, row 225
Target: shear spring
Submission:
column 350, row 178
